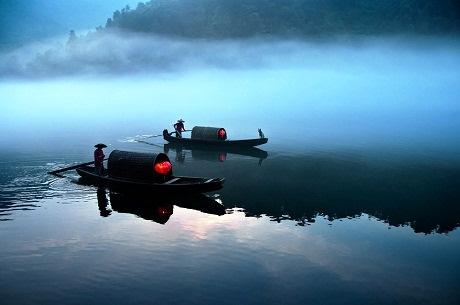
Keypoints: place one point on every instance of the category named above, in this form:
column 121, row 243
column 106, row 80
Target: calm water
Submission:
column 354, row 200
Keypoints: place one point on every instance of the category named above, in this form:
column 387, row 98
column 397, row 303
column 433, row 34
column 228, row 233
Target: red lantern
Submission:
column 163, row 167
column 222, row 134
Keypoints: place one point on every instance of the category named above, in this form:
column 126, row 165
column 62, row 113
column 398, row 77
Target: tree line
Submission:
column 222, row 19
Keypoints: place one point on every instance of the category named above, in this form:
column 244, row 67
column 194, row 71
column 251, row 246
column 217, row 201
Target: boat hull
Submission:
column 220, row 143
column 176, row 185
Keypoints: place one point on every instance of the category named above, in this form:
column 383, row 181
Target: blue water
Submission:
column 354, row 200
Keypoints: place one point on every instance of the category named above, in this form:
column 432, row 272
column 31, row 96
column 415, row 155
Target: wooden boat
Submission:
column 173, row 185
column 222, row 143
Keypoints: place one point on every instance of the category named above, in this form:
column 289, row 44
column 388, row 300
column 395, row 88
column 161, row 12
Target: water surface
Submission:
column 353, row 200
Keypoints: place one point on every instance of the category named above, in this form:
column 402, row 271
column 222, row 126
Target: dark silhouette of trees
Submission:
column 109, row 23
column 298, row 18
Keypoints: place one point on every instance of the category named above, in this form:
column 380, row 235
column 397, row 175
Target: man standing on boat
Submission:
column 99, row 159
column 179, row 127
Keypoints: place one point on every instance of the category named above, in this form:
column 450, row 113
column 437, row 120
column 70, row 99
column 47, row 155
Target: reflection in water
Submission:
column 145, row 207
column 150, row 206
column 194, row 249
column 424, row 196
column 212, row 152
column 422, row 193
column 102, row 202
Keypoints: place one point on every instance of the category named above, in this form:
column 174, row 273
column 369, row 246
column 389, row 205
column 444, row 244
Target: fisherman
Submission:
column 179, row 127
column 99, row 159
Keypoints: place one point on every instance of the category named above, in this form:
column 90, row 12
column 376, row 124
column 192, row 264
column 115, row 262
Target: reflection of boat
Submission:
column 158, row 209
column 173, row 185
column 215, row 153
column 220, row 143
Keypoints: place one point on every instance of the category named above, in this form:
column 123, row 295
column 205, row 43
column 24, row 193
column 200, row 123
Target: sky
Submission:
column 23, row 21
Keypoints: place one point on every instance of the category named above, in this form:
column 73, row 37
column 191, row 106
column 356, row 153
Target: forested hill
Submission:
column 288, row 18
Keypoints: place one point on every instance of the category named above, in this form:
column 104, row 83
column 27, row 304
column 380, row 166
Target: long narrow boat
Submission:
column 222, row 143
column 173, row 185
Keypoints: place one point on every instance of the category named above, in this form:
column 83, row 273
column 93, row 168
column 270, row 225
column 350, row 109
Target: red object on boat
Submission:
column 222, row 134
column 163, row 167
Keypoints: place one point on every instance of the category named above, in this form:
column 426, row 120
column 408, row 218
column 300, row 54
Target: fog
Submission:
column 116, row 53
column 380, row 94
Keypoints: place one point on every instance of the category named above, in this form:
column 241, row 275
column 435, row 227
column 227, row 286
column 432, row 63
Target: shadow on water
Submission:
column 150, row 206
column 420, row 193
column 423, row 196
column 208, row 152
column 213, row 153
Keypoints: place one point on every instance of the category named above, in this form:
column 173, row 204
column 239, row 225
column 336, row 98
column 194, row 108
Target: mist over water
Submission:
column 115, row 53
column 354, row 197
column 379, row 93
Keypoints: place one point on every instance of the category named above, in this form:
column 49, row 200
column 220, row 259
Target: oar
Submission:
column 148, row 143
column 160, row 135
column 55, row 172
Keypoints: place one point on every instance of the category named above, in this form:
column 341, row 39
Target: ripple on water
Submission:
column 23, row 185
